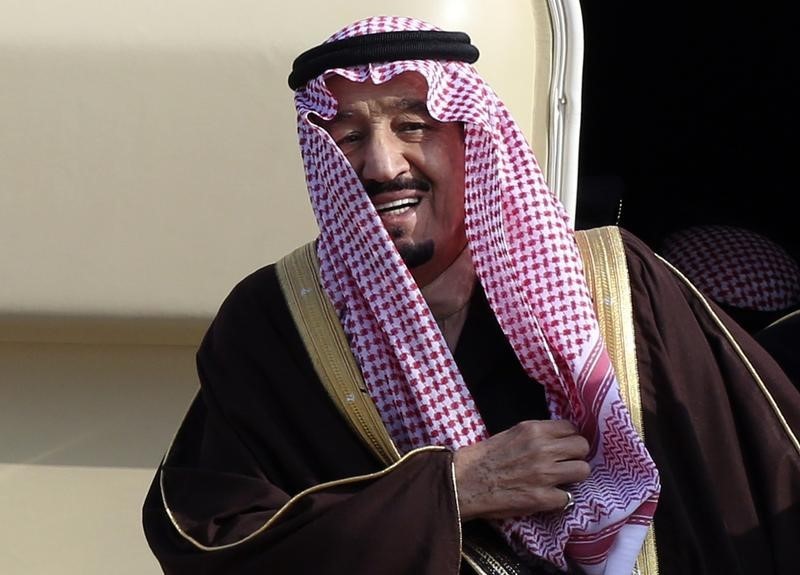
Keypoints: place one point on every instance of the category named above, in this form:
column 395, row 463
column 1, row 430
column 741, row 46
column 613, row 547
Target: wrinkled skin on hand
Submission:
column 520, row 471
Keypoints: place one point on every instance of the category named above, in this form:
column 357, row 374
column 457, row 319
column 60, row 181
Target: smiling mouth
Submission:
column 397, row 207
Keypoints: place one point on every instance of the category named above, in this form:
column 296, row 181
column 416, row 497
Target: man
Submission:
column 470, row 417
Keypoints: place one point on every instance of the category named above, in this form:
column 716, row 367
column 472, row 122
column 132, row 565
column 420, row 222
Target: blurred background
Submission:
column 148, row 162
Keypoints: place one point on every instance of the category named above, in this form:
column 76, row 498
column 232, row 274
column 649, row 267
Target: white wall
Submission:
column 82, row 427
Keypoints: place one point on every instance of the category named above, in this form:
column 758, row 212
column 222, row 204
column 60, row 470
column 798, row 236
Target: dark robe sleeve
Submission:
column 264, row 476
column 721, row 421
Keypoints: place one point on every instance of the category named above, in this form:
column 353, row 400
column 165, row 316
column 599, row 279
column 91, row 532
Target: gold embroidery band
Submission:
column 328, row 348
column 606, row 270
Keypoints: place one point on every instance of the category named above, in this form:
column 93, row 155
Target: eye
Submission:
column 348, row 138
column 413, row 126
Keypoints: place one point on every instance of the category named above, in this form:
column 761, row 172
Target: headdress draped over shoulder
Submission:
column 526, row 259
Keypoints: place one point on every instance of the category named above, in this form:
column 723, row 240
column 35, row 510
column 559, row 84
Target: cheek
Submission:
column 453, row 212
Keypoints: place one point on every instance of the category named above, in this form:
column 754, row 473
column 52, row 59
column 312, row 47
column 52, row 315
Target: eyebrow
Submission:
column 408, row 105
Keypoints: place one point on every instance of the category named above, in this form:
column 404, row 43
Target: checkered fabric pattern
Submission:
column 735, row 266
column 527, row 260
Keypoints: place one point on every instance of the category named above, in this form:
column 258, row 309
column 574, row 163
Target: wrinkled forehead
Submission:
column 407, row 91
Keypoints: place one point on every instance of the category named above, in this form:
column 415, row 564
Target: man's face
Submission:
column 411, row 165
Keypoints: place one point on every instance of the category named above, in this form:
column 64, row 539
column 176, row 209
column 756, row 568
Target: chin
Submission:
column 415, row 254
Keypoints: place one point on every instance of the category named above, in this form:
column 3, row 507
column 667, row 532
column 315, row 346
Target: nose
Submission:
column 384, row 158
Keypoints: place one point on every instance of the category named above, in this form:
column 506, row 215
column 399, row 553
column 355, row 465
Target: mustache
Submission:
column 374, row 188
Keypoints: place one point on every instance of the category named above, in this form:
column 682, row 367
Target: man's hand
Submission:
column 517, row 472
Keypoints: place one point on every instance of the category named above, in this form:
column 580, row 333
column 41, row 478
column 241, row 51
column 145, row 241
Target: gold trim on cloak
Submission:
column 606, row 270
column 329, row 350
column 282, row 511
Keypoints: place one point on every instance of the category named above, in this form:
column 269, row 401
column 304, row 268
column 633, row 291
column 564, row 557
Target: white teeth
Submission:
column 397, row 205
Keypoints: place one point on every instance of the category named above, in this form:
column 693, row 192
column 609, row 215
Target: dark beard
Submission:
column 416, row 254
column 413, row 254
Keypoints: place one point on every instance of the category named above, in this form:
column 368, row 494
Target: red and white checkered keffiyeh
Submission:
column 527, row 261
column 735, row 266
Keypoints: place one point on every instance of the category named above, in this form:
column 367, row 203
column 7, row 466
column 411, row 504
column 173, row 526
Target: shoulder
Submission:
column 658, row 291
column 611, row 244
column 666, row 299
column 252, row 346
column 638, row 252
column 607, row 235
column 253, row 317
column 261, row 294
column 253, row 298
column 646, row 270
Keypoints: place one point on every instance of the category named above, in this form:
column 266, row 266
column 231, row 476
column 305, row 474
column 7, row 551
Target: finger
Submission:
column 559, row 428
column 572, row 471
column 572, row 447
column 555, row 500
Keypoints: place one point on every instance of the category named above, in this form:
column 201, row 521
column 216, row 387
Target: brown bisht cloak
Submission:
column 264, row 476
